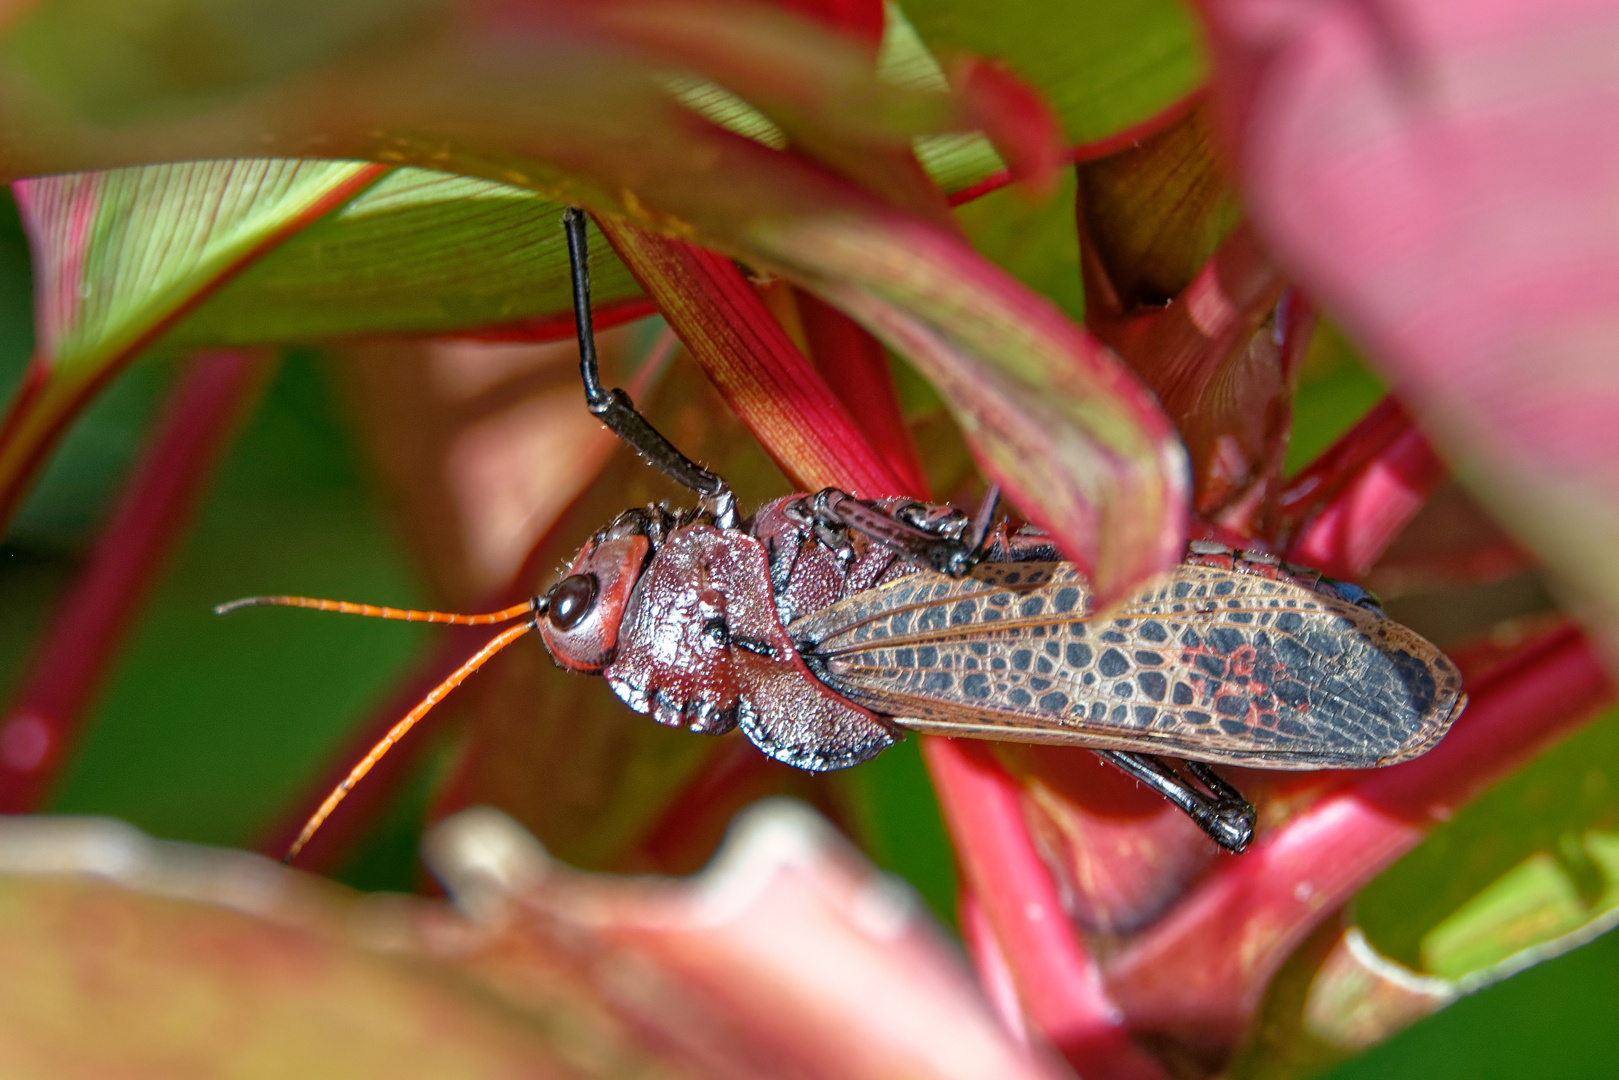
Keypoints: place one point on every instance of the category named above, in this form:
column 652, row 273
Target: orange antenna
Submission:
column 343, row 607
column 397, row 732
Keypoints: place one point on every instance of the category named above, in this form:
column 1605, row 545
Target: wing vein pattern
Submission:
column 1213, row 664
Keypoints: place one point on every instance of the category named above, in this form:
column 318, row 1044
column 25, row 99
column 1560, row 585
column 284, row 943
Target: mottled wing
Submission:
column 1213, row 665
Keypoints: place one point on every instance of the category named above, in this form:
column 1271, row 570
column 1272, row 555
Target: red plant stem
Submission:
column 855, row 366
column 994, row 973
column 754, row 364
column 992, row 182
column 1057, row 982
column 1203, row 969
column 368, row 801
column 74, row 657
column 1348, row 505
column 36, row 377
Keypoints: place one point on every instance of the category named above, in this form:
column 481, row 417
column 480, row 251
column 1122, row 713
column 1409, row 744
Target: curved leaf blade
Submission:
column 144, row 958
column 1079, row 443
column 1050, row 413
column 418, row 252
column 120, row 255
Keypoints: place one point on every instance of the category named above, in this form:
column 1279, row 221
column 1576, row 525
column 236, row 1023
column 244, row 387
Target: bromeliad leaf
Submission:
column 120, row 255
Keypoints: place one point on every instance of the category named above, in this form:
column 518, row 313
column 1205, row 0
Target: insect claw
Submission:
column 1232, row 827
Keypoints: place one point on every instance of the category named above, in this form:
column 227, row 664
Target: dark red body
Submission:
column 699, row 640
column 823, row 643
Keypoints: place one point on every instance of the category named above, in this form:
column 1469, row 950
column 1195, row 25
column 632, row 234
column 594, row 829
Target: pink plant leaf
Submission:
column 1451, row 541
column 1340, row 513
column 143, row 959
column 778, row 954
column 769, row 962
column 758, row 369
column 1221, row 371
column 856, row 368
column 1440, row 178
column 1077, row 443
column 1072, row 438
column 1028, row 939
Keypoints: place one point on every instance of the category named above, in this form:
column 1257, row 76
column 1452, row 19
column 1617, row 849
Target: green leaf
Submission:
column 123, row 252
column 1035, row 242
column 1103, row 65
column 120, row 255
column 1553, row 1022
column 418, row 252
column 1472, row 893
column 1523, row 875
column 954, row 161
column 1079, row 444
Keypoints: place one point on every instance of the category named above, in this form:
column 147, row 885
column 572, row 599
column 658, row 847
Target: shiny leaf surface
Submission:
column 1078, row 444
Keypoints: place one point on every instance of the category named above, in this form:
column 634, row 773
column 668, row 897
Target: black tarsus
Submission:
column 614, row 407
column 1223, row 813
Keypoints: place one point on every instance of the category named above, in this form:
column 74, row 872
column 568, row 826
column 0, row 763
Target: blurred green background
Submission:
column 208, row 736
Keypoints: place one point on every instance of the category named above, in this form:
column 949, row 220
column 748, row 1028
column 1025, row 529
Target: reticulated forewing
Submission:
column 1213, row 664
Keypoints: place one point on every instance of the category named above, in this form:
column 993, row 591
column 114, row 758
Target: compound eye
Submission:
column 572, row 600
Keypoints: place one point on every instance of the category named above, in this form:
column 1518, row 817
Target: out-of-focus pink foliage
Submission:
column 1441, row 176
column 788, row 957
